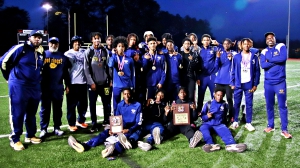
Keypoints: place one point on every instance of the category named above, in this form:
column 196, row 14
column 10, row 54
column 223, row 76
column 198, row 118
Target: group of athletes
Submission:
column 152, row 76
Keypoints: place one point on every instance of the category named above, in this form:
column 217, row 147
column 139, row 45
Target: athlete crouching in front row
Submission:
column 154, row 119
column 193, row 136
column 212, row 116
column 132, row 120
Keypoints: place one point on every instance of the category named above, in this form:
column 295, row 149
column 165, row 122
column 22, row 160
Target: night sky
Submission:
column 227, row 18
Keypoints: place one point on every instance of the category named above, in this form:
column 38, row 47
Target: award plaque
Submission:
column 181, row 114
column 116, row 124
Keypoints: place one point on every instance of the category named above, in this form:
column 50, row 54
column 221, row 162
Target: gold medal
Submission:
column 180, row 66
column 153, row 68
column 120, row 73
column 190, row 57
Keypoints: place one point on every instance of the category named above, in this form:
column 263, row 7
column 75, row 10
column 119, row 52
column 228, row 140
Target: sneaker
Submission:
column 10, row 137
column 94, row 128
column 234, row 125
column 82, row 125
column 75, row 144
column 33, row 140
column 123, row 140
column 286, row 135
column 18, row 146
column 236, row 147
column 249, row 127
column 58, row 132
column 73, row 128
column 269, row 129
column 43, row 133
column 196, row 138
column 156, row 135
column 105, row 123
column 144, row 146
column 211, row 147
column 108, row 151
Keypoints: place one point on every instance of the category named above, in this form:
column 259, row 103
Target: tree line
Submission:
column 124, row 17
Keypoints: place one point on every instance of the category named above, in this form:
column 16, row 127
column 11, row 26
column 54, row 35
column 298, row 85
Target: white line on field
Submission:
column 162, row 159
column 273, row 147
column 49, row 128
column 3, row 96
column 261, row 92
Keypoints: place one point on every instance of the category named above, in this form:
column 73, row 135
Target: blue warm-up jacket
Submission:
column 273, row 61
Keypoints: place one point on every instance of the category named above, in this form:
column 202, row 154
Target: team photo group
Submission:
column 150, row 90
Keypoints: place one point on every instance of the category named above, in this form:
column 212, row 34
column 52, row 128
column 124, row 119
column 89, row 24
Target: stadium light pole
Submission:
column 69, row 24
column 47, row 7
column 288, row 35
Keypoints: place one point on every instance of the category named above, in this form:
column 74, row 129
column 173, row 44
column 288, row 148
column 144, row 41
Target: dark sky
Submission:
column 228, row 18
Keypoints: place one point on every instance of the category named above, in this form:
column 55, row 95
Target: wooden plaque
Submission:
column 116, row 124
column 181, row 114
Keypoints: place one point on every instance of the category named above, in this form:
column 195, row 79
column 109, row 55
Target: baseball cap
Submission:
column 148, row 32
column 53, row 39
column 36, row 33
column 268, row 33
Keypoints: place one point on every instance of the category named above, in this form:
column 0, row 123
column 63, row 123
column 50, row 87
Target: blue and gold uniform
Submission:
column 54, row 72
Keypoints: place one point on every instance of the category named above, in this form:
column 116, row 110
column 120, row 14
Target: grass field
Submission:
column 264, row 150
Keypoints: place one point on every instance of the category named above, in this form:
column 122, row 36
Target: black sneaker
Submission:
column 94, row 128
column 211, row 147
column 105, row 123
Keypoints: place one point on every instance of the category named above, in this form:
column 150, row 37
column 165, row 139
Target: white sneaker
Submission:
column 123, row 140
column 236, row 148
column 58, row 132
column 234, row 125
column 249, row 127
column 156, row 135
column 108, row 151
column 144, row 146
column 43, row 133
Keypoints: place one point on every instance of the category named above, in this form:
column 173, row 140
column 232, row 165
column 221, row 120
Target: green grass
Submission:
column 264, row 150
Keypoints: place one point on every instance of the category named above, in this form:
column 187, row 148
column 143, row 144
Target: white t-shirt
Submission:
column 245, row 68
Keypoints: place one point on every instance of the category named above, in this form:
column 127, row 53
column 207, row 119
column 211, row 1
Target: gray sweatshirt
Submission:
column 77, row 70
column 95, row 66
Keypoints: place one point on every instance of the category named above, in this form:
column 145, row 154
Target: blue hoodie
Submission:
column 154, row 77
column 25, row 67
column 137, row 64
column 174, row 68
column 218, row 110
column 273, row 61
column 223, row 65
column 128, row 79
column 235, row 77
column 208, row 56
column 131, row 114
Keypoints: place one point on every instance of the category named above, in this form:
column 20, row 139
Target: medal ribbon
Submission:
column 121, row 64
column 245, row 59
column 153, row 57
